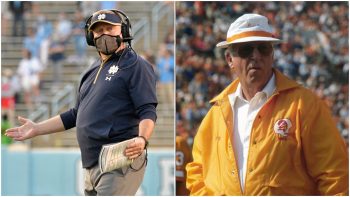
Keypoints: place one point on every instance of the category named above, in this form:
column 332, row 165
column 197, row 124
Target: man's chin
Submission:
column 255, row 77
column 257, row 80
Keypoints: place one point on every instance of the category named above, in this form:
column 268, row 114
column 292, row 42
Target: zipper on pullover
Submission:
column 99, row 70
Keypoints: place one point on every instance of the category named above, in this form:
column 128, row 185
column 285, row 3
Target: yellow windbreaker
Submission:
column 310, row 159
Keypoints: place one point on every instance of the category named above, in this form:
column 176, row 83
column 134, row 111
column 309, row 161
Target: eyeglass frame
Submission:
column 235, row 50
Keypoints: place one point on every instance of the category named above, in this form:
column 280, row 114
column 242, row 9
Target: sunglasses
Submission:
column 246, row 50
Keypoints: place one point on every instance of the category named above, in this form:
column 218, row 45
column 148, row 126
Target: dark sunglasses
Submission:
column 246, row 50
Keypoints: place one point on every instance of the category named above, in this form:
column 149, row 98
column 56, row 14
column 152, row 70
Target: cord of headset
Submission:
column 144, row 163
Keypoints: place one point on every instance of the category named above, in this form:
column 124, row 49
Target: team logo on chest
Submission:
column 282, row 127
column 111, row 72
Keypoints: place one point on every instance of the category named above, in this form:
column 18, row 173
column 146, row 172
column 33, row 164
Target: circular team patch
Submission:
column 282, row 127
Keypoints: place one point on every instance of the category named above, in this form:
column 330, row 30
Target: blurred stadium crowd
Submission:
column 51, row 39
column 44, row 43
column 315, row 53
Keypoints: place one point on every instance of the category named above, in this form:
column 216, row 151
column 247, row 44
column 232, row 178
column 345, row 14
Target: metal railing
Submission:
column 141, row 30
column 41, row 113
column 62, row 98
column 158, row 12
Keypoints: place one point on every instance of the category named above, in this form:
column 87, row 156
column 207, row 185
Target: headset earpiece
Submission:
column 90, row 40
column 125, row 27
column 125, row 32
column 88, row 34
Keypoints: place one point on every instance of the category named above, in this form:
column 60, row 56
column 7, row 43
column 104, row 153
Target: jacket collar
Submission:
column 282, row 83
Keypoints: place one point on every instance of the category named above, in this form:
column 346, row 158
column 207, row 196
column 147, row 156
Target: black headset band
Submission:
column 120, row 12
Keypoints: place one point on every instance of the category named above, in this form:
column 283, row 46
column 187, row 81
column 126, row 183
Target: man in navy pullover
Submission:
column 116, row 101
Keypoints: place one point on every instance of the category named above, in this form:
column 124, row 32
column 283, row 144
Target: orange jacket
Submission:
column 311, row 159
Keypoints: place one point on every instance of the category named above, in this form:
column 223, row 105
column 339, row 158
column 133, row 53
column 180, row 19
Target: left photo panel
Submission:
column 87, row 98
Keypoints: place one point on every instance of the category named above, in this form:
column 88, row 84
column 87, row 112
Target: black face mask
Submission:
column 107, row 44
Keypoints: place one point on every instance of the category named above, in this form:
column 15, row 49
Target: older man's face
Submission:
column 252, row 62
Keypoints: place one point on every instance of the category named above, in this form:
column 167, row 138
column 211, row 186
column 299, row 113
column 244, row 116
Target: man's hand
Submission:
column 135, row 148
column 26, row 131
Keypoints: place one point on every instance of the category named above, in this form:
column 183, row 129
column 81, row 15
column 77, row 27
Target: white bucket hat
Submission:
column 248, row 28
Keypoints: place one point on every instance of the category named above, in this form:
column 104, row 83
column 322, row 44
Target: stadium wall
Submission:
column 59, row 172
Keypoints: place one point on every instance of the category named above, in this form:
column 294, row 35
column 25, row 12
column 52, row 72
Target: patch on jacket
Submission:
column 111, row 72
column 282, row 127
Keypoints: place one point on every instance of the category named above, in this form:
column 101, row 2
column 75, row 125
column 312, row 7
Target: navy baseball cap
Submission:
column 102, row 17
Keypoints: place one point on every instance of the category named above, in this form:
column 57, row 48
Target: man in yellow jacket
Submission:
column 265, row 134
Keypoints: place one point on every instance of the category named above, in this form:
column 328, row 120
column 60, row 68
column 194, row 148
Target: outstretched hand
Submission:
column 25, row 131
column 135, row 148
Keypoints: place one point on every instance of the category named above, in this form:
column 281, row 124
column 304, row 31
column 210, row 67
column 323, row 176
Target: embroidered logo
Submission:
column 108, row 78
column 111, row 72
column 282, row 127
column 101, row 16
column 113, row 69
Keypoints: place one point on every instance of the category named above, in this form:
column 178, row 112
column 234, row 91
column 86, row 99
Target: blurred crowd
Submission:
column 315, row 53
column 44, row 44
column 45, row 41
column 164, row 65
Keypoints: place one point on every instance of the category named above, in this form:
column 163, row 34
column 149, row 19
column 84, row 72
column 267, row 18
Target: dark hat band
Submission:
column 106, row 18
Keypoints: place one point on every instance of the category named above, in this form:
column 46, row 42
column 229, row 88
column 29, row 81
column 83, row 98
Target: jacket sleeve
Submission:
column 195, row 178
column 69, row 118
column 142, row 88
column 324, row 149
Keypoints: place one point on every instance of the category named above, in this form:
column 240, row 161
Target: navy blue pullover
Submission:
column 109, row 110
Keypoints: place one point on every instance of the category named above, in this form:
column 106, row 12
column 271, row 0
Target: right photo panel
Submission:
column 262, row 98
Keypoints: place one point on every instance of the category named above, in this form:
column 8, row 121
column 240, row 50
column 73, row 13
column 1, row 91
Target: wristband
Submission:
column 146, row 142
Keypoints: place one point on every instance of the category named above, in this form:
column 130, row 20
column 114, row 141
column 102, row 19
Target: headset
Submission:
column 125, row 29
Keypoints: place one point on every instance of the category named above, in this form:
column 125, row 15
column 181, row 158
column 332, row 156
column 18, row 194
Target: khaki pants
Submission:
column 121, row 182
